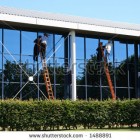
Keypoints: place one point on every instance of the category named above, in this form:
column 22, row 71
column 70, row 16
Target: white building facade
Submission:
column 71, row 56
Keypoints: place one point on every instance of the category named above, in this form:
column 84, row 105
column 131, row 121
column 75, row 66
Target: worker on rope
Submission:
column 43, row 45
column 37, row 42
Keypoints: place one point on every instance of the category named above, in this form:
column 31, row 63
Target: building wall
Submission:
column 16, row 47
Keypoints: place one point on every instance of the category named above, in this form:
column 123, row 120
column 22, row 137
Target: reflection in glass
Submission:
column 106, row 94
column 60, row 92
column 79, row 48
column 11, row 89
column 12, row 41
column 59, row 46
column 120, row 51
column 28, row 42
column 131, row 65
column 91, row 46
column 80, row 72
column 0, row 49
column 91, row 79
column 81, row 92
column 0, row 63
column 120, row 64
column 93, row 93
column 110, row 58
column 122, row 93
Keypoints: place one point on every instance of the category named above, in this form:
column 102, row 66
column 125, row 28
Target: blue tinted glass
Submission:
column 28, row 42
column 79, row 48
column 120, row 51
column 11, row 41
column 91, row 46
column 0, row 49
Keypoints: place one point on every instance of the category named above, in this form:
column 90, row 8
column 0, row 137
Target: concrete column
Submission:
column 73, row 65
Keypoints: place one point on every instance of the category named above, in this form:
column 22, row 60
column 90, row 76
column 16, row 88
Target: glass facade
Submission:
column 17, row 64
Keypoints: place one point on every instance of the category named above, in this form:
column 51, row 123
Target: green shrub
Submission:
column 49, row 115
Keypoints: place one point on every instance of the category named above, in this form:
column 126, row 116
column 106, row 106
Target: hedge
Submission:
column 49, row 115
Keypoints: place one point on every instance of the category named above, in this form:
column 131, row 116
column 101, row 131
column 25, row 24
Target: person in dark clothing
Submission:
column 99, row 52
column 37, row 42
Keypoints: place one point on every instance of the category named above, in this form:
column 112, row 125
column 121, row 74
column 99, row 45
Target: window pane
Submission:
column 122, row 93
column 11, row 69
column 59, row 46
column 132, row 93
column 110, row 58
column 0, row 63
column 12, row 41
column 0, row 49
column 120, row 51
column 27, row 52
column 59, row 92
column 91, row 46
column 79, row 48
column 131, row 65
column 106, row 93
column 49, row 49
column 93, row 92
column 80, row 72
column 59, row 72
column 130, row 50
column 30, row 91
column 11, row 89
column 139, row 68
column 120, row 64
column 28, row 42
column 93, row 72
column 81, row 92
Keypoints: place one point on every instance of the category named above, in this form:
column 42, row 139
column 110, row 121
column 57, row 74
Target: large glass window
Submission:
column 131, row 70
column 92, row 69
column 11, row 42
column 91, row 46
column 79, row 58
column 120, row 64
column 139, row 70
column 28, row 46
column 0, row 63
column 80, row 71
column 91, row 78
column 11, row 55
column 59, row 65
column 121, row 71
column 0, row 49
column 29, row 66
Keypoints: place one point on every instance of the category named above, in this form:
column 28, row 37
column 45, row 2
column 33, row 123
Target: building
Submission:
column 71, row 56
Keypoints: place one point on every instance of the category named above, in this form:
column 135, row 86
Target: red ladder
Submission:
column 108, row 75
column 47, row 80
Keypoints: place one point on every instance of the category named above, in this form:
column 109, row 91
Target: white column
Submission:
column 73, row 65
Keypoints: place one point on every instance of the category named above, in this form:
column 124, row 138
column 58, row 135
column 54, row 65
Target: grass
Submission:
column 80, row 128
column 107, row 129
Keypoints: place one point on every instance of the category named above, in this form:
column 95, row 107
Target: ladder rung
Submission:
column 47, row 79
column 51, row 95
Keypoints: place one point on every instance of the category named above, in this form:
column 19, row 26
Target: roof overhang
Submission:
column 62, row 26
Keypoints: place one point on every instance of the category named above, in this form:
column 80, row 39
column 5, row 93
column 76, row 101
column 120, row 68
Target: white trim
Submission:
column 73, row 65
column 19, row 19
column 15, row 19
